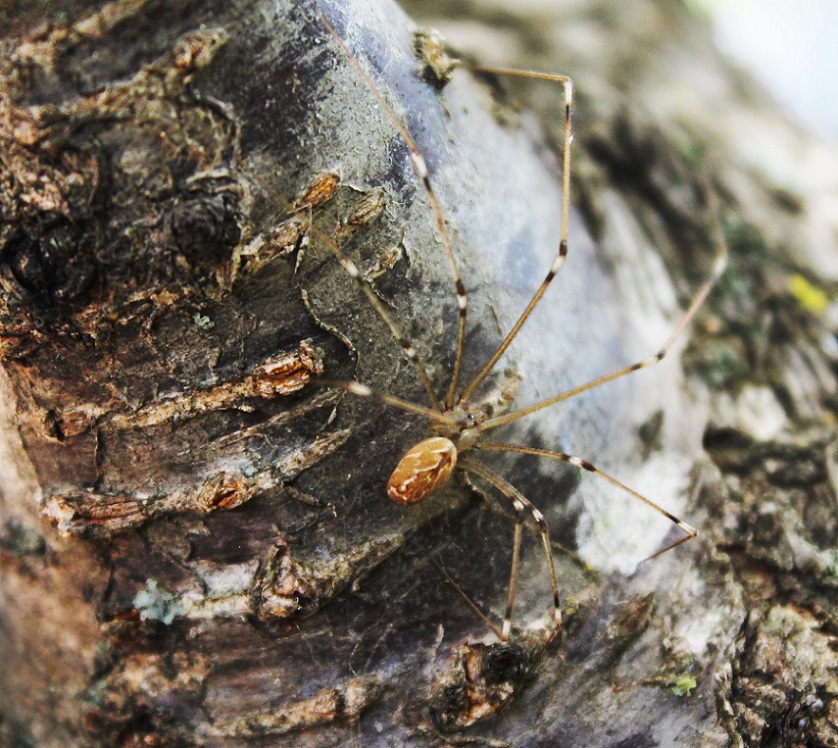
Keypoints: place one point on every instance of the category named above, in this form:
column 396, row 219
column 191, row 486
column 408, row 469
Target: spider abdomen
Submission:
column 423, row 470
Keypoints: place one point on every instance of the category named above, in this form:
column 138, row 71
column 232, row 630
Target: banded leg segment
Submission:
column 689, row 531
column 718, row 268
column 362, row 390
column 561, row 254
column 422, row 170
column 302, row 208
column 519, row 503
column 409, row 351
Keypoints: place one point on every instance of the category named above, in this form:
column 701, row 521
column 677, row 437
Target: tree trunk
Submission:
column 197, row 547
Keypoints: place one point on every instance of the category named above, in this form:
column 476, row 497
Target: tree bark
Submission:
column 196, row 544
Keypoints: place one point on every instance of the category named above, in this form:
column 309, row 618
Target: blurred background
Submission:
column 789, row 45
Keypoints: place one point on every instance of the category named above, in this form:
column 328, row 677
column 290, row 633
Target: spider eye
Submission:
column 466, row 421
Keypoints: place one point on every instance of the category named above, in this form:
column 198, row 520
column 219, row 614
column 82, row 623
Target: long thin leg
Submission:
column 409, row 351
column 362, row 390
column 561, row 254
column 461, row 592
column 422, row 170
column 689, row 531
column 301, row 207
column 518, row 501
column 513, row 569
column 718, row 268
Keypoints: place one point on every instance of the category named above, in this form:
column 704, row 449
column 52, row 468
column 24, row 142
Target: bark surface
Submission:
column 195, row 542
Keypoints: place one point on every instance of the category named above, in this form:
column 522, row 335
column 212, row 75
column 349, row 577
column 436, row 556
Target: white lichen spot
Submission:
column 202, row 321
column 153, row 603
column 759, row 413
column 226, row 579
column 697, row 632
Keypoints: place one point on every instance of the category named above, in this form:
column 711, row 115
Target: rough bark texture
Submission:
column 196, row 545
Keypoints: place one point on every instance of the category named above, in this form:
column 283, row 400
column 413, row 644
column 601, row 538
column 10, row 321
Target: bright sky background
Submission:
column 791, row 46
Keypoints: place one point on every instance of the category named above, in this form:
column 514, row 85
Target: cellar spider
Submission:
column 456, row 423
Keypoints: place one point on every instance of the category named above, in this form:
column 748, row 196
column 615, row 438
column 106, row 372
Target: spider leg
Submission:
column 409, row 350
column 689, row 531
column 461, row 592
column 362, row 390
column 719, row 265
column 520, row 504
column 422, row 170
column 561, row 254
column 301, row 207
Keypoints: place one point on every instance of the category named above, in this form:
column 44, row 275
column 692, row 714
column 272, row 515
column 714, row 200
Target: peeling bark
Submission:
column 196, row 545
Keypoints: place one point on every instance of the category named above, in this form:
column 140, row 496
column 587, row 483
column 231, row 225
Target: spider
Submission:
column 457, row 424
